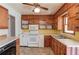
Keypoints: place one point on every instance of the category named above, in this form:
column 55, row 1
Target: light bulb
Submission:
column 37, row 10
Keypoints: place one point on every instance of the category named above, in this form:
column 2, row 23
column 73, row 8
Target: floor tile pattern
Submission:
column 35, row 51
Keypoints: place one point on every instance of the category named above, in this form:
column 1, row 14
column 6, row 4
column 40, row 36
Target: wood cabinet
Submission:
column 57, row 47
column 32, row 19
column 17, row 47
column 47, row 41
column 63, row 49
column 3, row 18
column 35, row 19
column 50, row 43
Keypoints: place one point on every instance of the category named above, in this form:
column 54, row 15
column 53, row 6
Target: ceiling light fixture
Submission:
column 36, row 10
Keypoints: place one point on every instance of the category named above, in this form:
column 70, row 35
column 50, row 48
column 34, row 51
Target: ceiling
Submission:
column 27, row 10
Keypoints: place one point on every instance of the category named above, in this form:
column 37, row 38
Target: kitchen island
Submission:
column 6, row 42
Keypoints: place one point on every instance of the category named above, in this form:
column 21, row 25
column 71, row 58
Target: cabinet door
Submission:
column 46, row 41
column 63, row 50
column 59, row 48
column 56, row 47
column 3, row 18
column 52, row 44
column 36, row 20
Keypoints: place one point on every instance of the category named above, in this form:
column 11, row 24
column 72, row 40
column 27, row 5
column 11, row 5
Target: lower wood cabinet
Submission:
column 17, row 47
column 63, row 49
column 57, row 47
column 46, row 41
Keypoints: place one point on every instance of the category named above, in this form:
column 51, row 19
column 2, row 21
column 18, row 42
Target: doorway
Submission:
column 12, row 25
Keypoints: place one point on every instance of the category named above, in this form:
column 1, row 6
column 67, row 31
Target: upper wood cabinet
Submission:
column 3, row 18
column 35, row 19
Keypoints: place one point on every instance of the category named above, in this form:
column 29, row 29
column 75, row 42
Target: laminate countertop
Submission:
column 67, row 42
column 6, row 40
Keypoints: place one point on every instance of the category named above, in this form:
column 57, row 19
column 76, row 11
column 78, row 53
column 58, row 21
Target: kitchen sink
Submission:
column 61, row 37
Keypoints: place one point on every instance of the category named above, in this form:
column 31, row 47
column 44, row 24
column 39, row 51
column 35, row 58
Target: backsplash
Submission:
column 50, row 32
column 44, row 31
column 25, row 30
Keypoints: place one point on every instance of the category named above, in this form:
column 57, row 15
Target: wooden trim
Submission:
column 58, row 13
column 17, row 47
column 60, row 8
column 3, row 27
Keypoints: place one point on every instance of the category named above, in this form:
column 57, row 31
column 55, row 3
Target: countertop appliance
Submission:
column 9, row 49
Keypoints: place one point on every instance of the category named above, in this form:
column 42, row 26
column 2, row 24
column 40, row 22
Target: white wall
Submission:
column 3, row 31
column 17, row 15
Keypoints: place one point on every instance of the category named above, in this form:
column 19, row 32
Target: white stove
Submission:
column 34, row 36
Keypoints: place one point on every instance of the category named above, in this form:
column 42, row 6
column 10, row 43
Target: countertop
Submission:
column 5, row 40
column 67, row 42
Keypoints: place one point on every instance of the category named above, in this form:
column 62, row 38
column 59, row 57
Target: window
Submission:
column 66, row 25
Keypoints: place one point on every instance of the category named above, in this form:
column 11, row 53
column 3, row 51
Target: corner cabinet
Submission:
column 3, row 18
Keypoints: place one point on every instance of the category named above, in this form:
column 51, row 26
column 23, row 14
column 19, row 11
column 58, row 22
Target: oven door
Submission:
column 33, row 41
